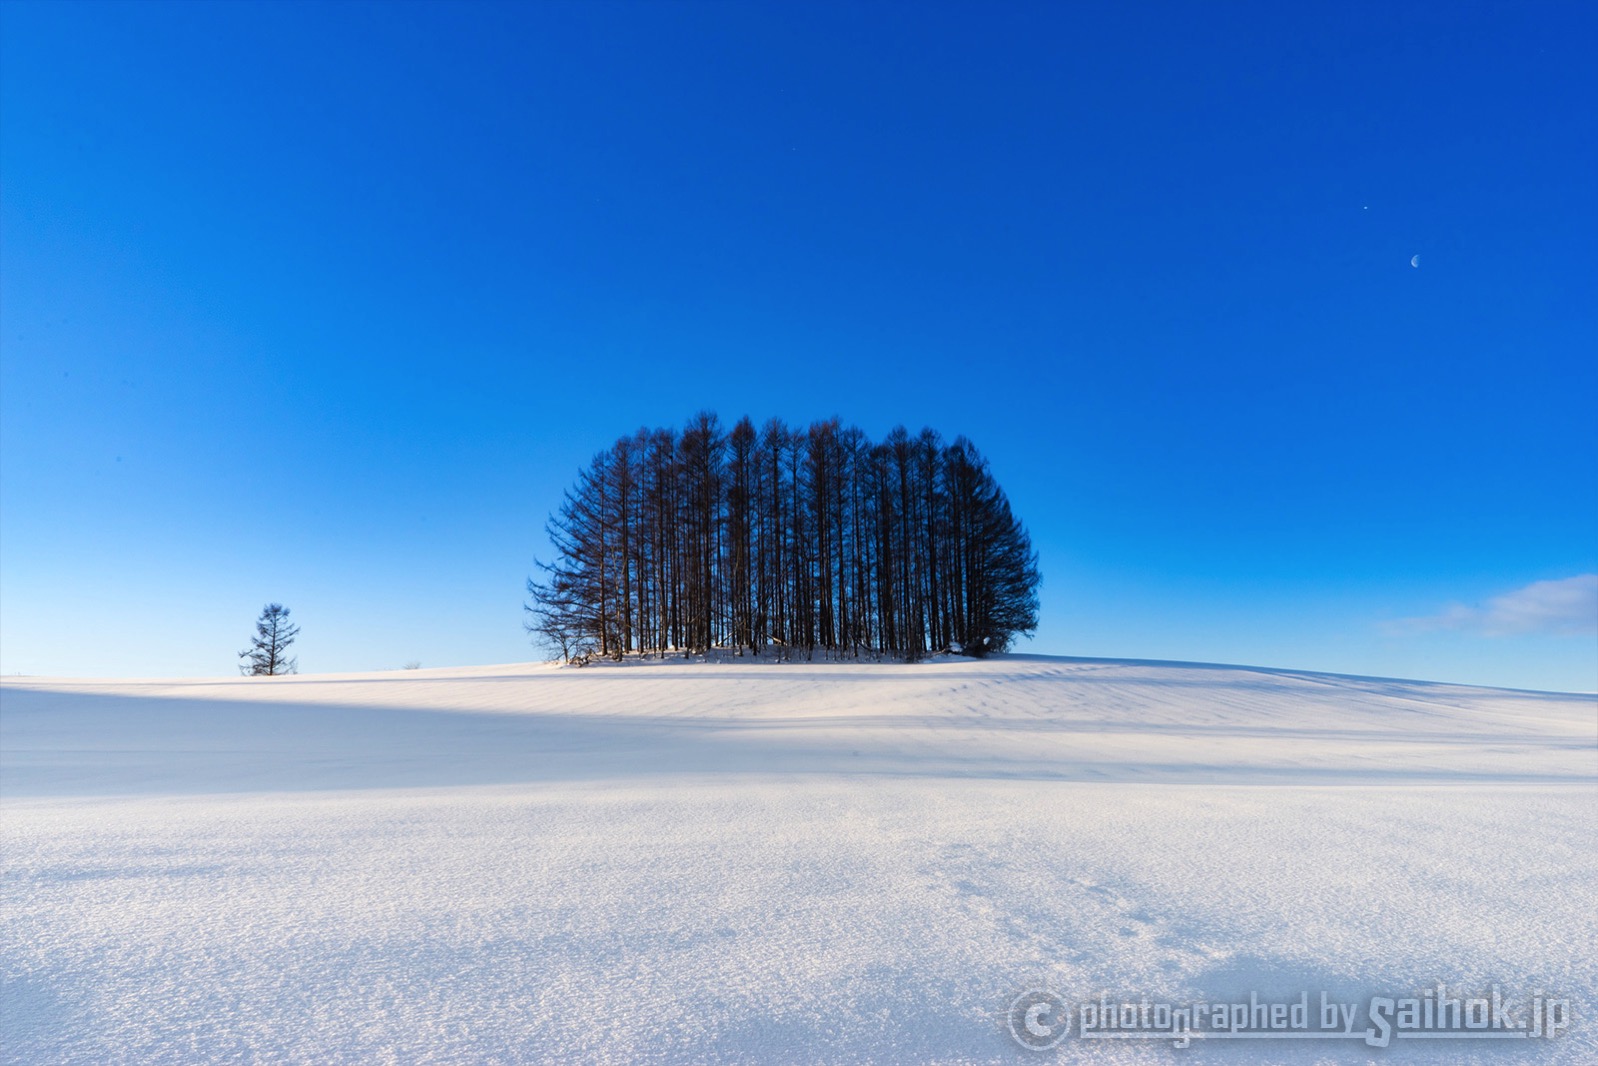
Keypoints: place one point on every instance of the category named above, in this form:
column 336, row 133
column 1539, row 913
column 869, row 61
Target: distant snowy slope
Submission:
column 1027, row 717
column 795, row 863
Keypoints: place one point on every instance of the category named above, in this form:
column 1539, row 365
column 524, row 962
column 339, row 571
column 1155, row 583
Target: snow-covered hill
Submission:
column 787, row 863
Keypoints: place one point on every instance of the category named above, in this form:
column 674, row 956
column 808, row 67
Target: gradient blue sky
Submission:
column 326, row 304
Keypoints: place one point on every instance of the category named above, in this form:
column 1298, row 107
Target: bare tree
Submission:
column 553, row 617
column 267, row 654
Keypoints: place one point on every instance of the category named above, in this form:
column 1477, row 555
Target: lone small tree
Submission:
column 267, row 654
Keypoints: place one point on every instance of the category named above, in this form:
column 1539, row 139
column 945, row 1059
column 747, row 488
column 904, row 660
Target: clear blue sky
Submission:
column 326, row 304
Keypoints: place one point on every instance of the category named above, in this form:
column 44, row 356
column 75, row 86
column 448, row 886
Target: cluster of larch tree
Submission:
column 803, row 540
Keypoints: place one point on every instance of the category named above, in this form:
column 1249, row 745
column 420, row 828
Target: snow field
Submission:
column 790, row 864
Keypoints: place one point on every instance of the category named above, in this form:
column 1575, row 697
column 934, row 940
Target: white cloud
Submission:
column 1569, row 605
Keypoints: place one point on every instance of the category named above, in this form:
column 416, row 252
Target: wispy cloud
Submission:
column 1569, row 605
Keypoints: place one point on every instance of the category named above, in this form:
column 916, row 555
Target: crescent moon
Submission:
column 1414, row 260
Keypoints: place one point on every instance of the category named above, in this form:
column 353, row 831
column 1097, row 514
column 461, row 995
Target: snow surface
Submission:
column 786, row 863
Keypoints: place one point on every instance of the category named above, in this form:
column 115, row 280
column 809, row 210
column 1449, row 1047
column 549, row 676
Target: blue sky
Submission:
column 326, row 305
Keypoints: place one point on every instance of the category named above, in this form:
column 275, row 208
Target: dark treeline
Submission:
column 788, row 538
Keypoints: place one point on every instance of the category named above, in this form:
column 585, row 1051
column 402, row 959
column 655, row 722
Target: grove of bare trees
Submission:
column 803, row 540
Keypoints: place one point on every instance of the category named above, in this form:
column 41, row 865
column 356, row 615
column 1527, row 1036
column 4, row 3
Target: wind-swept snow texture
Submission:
column 782, row 863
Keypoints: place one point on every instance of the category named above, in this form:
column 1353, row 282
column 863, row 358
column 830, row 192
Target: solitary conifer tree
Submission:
column 267, row 654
